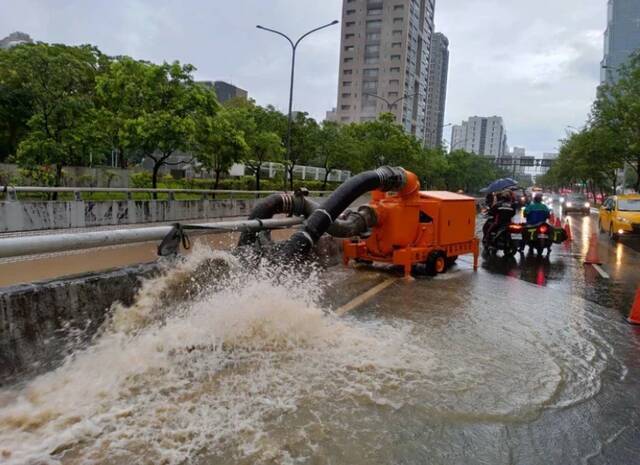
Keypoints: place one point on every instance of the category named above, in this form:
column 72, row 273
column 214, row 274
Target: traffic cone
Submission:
column 567, row 230
column 634, row 315
column 592, row 254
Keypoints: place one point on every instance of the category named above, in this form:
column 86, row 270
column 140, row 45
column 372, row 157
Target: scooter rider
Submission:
column 500, row 214
column 536, row 212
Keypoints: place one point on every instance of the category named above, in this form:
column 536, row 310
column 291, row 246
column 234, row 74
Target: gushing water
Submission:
column 241, row 367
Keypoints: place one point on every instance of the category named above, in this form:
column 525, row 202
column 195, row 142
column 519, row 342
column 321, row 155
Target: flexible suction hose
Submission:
column 321, row 219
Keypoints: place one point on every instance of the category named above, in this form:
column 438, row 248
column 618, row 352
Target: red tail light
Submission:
column 543, row 229
column 515, row 227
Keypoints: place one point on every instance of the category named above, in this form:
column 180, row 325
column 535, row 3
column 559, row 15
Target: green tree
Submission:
column 120, row 99
column 336, row 149
column 15, row 104
column 617, row 108
column 384, row 142
column 61, row 83
column 170, row 106
column 304, row 139
column 261, row 130
column 219, row 144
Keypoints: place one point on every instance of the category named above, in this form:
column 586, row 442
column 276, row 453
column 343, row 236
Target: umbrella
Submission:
column 500, row 184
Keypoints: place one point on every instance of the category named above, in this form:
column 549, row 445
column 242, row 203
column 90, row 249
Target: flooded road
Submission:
column 527, row 361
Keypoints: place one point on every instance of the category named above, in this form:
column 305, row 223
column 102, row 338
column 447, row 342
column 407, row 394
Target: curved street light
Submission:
column 394, row 102
column 294, row 47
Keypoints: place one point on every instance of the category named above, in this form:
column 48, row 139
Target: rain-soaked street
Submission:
column 527, row 361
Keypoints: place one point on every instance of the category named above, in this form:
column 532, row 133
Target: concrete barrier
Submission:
column 16, row 216
column 37, row 321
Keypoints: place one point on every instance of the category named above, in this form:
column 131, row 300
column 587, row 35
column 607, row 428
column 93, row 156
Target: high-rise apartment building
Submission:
column 481, row 135
column 437, row 89
column 384, row 61
column 622, row 37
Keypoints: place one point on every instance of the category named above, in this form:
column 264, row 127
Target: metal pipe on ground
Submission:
column 33, row 245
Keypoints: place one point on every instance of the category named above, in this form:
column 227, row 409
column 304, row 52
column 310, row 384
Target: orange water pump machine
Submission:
column 429, row 229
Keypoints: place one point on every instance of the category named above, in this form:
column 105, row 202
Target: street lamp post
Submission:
column 390, row 105
column 294, row 47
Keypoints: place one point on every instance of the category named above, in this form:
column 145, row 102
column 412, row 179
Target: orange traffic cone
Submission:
column 634, row 315
column 592, row 254
column 567, row 230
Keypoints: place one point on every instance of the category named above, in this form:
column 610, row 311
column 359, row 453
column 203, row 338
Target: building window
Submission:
column 349, row 48
column 346, row 83
column 344, row 118
column 348, row 60
column 350, row 23
column 392, row 94
column 398, row 20
column 349, row 36
column 371, row 72
column 397, row 33
column 370, row 85
column 394, row 82
column 394, row 70
column 395, row 57
column 396, row 44
column 345, row 107
column 395, row 7
column 371, row 60
column 371, row 36
column 347, row 72
column 346, row 95
column 374, row 11
column 350, row 12
column 372, row 49
column 374, row 24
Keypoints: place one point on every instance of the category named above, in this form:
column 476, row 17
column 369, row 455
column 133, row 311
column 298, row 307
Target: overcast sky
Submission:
column 536, row 63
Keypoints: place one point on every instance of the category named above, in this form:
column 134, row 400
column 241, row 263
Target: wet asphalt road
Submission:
column 557, row 369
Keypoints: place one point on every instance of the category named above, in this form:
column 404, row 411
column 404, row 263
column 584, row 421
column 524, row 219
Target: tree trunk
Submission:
column 217, row 181
column 327, row 172
column 637, row 175
column 290, row 169
column 258, row 177
column 154, row 178
column 58, row 180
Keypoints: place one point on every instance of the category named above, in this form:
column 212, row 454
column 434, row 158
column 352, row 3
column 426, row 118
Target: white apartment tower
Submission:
column 384, row 59
column 480, row 135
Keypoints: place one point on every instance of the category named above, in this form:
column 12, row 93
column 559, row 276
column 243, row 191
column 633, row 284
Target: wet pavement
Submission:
column 527, row 361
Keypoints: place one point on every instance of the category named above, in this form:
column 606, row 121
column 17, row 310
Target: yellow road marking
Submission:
column 362, row 298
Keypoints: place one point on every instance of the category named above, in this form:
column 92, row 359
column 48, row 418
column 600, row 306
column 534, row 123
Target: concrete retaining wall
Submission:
column 36, row 320
column 38, row 215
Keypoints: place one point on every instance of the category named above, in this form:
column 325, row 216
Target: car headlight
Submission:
column 622, row 219
column 587, row 204
column 561, row 199
column 569, row 204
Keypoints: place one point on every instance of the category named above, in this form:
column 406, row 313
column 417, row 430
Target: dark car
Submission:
column 575, row 203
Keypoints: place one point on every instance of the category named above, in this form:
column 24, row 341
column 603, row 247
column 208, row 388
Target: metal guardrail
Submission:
column 11, row 192
column 41, row 244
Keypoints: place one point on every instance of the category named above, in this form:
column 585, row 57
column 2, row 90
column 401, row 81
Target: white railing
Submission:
column 51, row 243
column 11, row 192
